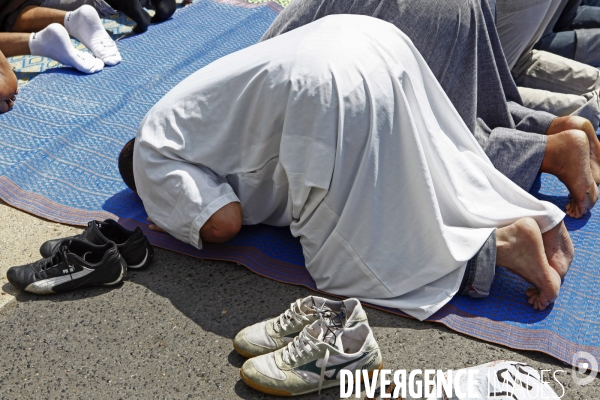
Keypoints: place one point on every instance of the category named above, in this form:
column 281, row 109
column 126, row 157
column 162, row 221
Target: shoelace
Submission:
column 59, row 256
column 294, row 315
column 290, row 317
column 301, row 347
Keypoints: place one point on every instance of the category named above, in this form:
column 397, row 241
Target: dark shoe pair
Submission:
column 100, row 255
column 133, row 245
column 74, row 264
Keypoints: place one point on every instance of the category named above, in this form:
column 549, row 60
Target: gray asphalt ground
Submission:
column 166, row 332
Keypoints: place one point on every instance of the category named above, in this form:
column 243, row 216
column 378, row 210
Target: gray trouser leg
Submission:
column 480, row 271
column 588, row 46
column 586, row 105
column 547, row 71
column 516, row 154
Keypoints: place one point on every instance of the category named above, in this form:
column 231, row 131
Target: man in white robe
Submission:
column 339, row 130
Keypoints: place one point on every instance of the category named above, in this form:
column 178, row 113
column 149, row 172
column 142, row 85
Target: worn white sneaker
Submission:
column 270, row 335
column 313, row 360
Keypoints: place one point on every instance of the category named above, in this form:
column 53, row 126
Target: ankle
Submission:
column 561, row 147
column 503, row 245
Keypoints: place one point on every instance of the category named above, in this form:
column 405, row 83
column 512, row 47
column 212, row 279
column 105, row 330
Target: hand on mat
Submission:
column 153, row 227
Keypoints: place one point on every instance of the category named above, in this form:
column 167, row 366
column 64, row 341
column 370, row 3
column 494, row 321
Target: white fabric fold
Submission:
column 340, row 130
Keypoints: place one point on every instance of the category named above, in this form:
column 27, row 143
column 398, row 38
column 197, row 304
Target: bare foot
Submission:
column 561, row 124
column 520, row 248
column 568, row 158
column 559, row 248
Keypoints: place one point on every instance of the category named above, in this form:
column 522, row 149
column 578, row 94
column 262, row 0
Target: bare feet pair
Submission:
column 573, row 156
column 541, row 259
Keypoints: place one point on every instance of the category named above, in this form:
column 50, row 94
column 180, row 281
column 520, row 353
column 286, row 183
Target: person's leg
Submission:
column 14, row 44
column 560, row 43
column 52, row 42
column 567, row 157
column 587, row 18
column 480, row 271
column 582, row 45
column 522, row 249
column 586, row 105
column 223, row 225
column 569, row 123
column 104, row 10
column 33, row 19
column 578, row 39
column 567, row 16
column 593, row 3
column 547, row 71
column 84, row 24
column 587, row 49
column 520, row 25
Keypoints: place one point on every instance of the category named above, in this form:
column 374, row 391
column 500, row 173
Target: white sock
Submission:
column 54, row 42
column 85, row 25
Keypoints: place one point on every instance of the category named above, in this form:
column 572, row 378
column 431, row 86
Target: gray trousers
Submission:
column 467, row 59
column 521, row 24
column 559, row 85
column 547, row 82
column 480, row 271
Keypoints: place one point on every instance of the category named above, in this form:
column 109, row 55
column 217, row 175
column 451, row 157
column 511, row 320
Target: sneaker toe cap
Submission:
column 254, row 341
column 47, row 248
column 262, row 379
column 18, row 277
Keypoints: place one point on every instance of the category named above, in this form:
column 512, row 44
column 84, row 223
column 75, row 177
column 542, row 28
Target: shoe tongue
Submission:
column 308, row 305
column 316, row 331
column 319, row 332
column 338, row 342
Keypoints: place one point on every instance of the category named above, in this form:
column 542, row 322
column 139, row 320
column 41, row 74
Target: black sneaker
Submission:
column 75, row 264
column 133, row 245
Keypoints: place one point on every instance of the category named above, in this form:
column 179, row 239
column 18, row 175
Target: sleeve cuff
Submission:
column 205, row 214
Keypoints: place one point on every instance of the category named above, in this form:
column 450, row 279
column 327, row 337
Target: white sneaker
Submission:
column 313, row 360
column 270, row 335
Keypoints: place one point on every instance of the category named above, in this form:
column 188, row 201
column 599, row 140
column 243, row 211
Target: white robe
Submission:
column 339, row 130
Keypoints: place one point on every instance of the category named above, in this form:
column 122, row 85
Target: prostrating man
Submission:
column 26, row 29
column 466, row 57
column 340, row 130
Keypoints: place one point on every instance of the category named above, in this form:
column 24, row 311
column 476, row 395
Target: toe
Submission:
column 112, row 60
column 98, row 66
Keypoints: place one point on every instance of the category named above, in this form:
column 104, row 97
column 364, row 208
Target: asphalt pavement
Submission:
column 166, row 332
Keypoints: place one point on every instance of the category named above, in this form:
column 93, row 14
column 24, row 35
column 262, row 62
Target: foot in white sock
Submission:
column 54, row 42
column 85, row 25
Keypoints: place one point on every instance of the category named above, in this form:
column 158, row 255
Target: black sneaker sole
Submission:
column 42, row 287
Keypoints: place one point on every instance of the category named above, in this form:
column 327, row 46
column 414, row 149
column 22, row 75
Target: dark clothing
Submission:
column 10, row 10
column 576, row 33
